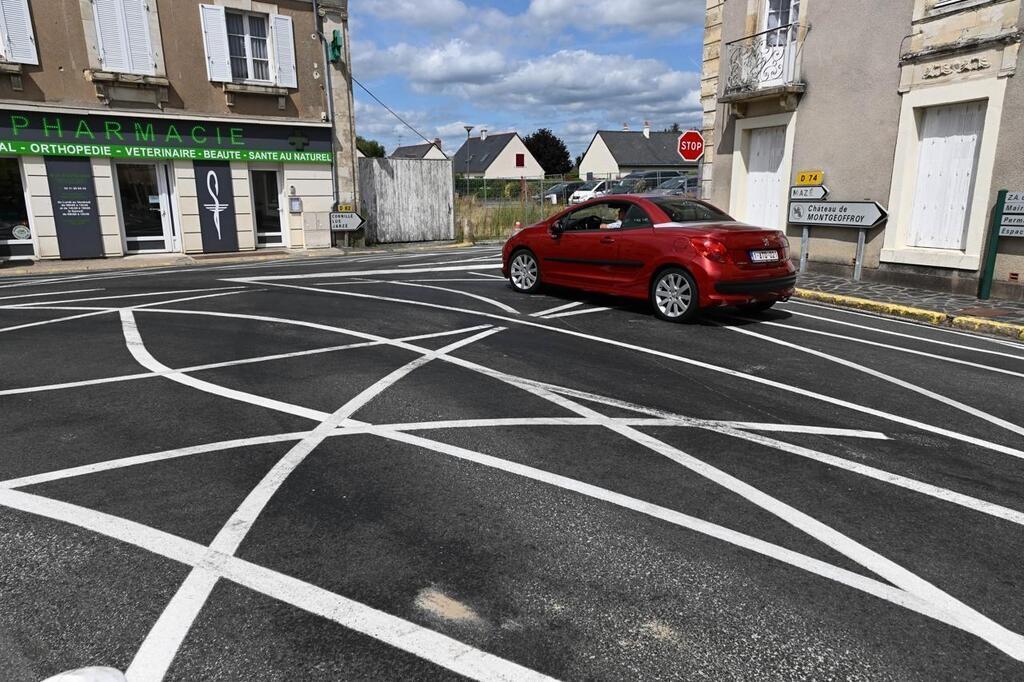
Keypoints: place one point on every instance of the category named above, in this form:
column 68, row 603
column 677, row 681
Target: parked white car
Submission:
column 591, row 190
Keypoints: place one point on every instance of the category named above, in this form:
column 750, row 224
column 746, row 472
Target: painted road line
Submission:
column 484, row 274
column 55, row 320
column 30, row 306
column 366, row 273
column 963, row 616
column 936, row 604
column 161, row 645
column 900, row 349
column 955, row 404
column 410, row 283
column 456, row 279
column 916, row 325
column 571, row 313
column 228, row 363
column 496, row 261
column 889, row 332
column 556, row 309
column 996, row 447
column 397, row 632
column 50, row 293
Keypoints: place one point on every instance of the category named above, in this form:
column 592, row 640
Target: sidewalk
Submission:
column 998, row 317
column 168, row 260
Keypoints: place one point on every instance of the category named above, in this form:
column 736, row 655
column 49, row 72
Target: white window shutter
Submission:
column 284, row 51
column 140, row 44
column 215, row 40
column 113, row 46
column 18, row 40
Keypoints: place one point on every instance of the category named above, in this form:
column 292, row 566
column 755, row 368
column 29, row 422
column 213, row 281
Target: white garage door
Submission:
column 950, row 137
column 766, row 181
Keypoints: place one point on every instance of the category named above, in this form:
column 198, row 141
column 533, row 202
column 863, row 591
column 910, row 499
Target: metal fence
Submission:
column 488, row 209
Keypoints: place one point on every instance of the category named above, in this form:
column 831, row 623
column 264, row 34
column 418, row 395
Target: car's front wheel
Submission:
column 523, row 272
column 674, row 295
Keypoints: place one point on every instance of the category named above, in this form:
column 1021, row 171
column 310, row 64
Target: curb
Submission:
column 939, row 319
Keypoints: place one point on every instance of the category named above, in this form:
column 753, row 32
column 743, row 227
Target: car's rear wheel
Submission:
column 524, row 272
column 758, row 307
column 674, row 295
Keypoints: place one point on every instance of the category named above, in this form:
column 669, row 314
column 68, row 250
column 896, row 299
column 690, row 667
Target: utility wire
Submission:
column 390, row 110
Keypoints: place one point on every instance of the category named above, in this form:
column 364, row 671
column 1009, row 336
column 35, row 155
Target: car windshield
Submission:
column 686, row 211
column 588, row 186
column 555, row 188
column 674, row 183
column 623, row 187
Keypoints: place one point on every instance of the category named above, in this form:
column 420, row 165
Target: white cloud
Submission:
column 453, row 62
column 658, row 16
column 436, row 13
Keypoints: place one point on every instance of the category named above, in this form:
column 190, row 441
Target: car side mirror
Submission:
column 557, row 228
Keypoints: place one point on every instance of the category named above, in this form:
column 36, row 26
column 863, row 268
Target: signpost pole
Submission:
column 805, row 243
column 985, row 285
column 858, row 267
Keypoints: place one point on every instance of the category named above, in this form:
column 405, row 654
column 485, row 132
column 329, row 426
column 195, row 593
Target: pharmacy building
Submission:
column 172, row 126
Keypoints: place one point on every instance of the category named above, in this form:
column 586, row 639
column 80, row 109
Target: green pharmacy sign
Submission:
column 159, row 139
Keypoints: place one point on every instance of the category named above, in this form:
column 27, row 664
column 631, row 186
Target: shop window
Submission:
column 123, row 36
column 15, row 234
column 248, row 48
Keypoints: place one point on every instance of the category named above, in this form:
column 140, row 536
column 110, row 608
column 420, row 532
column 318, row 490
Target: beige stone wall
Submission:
column 710, row 69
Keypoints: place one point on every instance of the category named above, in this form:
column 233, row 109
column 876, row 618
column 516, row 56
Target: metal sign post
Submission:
column 1007, row 221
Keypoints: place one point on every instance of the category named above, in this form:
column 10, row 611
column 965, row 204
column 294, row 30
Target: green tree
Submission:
column 674, row 129
column 578, row 162
column 371, row 148
column 550, row 152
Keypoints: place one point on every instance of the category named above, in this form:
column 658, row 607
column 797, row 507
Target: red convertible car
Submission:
column 681, row 254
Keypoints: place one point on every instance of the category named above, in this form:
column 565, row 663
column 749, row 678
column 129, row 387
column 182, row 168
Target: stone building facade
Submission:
column 915, row 104
column 143, row 126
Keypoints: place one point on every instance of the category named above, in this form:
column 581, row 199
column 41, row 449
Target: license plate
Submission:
column 764, row 256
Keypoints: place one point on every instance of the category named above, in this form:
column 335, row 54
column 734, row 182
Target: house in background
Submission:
column 419, row 152
column 494, row 157
column 614, row 153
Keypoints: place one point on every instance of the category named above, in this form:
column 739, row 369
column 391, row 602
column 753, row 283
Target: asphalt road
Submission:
column 395, row 467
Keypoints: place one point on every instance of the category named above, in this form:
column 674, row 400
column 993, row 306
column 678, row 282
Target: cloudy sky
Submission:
column 575, row 66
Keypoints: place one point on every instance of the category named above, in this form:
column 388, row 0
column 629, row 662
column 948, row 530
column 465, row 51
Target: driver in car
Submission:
column 616, row 224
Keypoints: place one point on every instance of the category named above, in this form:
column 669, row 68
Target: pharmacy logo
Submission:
column 216, row 208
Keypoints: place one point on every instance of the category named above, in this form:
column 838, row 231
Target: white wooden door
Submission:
column 947, row 164
column 766, row 179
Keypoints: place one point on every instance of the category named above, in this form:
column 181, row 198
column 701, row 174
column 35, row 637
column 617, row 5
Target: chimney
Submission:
column 647, row 129
column 483, row 133
column 437, row 141
column 625, row 127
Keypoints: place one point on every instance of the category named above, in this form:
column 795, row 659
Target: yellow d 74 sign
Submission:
column 810, row 178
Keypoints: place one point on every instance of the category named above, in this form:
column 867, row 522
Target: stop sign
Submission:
column 691, row 145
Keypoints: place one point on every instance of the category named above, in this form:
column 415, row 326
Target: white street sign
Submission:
column 861, row 214
column 1013, row 207
column 1013, row 226
column 1015, row 198
column 811, row 193
column 346, row 222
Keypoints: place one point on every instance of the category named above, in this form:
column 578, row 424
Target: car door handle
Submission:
column 608, row 240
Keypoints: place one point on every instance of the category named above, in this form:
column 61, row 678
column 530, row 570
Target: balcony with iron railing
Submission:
column 765, row 64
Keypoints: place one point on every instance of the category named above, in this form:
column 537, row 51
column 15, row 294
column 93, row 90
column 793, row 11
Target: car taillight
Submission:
column 712, row 249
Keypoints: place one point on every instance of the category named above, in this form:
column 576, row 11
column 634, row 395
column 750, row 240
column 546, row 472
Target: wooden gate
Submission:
column 406, row 200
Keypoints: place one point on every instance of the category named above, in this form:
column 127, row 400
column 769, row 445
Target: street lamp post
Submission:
column 469, row 129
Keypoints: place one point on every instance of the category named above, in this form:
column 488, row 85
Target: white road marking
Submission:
column 484, row 299
column 55, row 320
column 571, row 313
column 30, row 306
column 230, row 363
column 955, row 404
column 484, row 274
column 50, row 293
column 900, row 349
column 557, row 309
column 161, row 645
column 919, row 326
column 456, row 279
column 889, row 332
column 453, row 262
column 397, row 632
column 997, row 447
column 368, row 273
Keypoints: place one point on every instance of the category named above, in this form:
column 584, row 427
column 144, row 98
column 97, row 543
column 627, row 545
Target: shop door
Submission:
column 266, row 201
column 766, row 181
column 145, row 190
column 948, row 162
